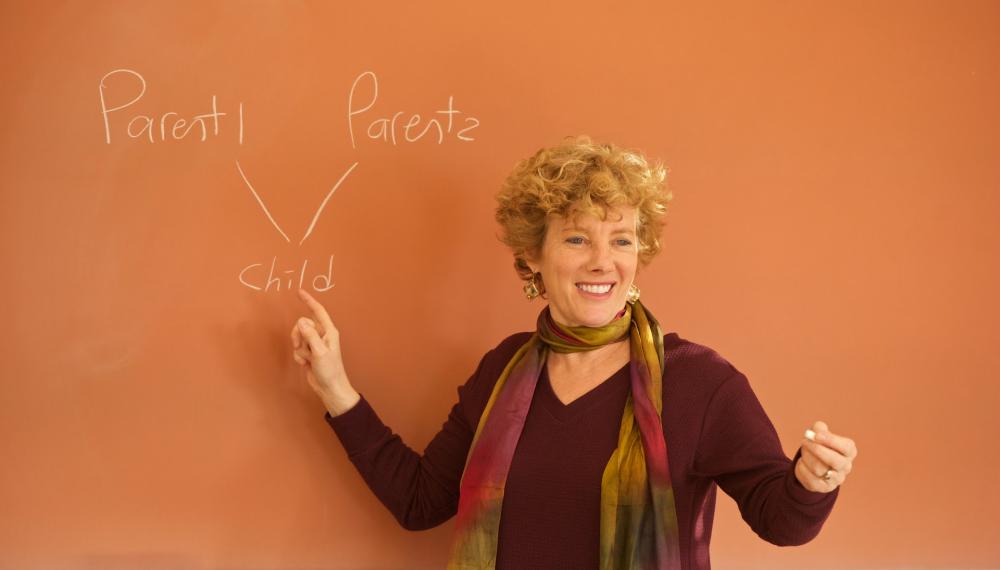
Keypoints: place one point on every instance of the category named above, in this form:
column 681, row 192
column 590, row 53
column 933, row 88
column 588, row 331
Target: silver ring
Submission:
column 827, row 475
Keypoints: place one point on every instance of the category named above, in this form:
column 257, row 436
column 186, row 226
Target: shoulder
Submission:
column 509, row 345
column 496, row 359
column 477, row 390
column 692, row 367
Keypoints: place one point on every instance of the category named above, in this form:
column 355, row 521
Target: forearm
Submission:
column 420, row 491
column 740, row 450
column 777, row 507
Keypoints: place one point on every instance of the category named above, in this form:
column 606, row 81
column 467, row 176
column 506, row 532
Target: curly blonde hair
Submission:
column 578, row 177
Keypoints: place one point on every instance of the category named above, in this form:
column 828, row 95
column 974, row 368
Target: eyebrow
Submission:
column 621, row 230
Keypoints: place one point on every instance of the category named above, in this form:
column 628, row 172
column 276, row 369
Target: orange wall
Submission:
column 833, row 235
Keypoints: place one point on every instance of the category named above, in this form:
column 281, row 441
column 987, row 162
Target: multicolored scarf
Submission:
column 638, row 516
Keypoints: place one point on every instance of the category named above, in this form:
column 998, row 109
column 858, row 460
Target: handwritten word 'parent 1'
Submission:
column 386, row 128
column 146, row 126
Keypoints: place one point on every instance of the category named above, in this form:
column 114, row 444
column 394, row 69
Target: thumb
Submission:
column 817, row 431
column 822, row 430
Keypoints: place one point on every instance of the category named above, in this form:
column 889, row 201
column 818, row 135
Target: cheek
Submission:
column 629, row 266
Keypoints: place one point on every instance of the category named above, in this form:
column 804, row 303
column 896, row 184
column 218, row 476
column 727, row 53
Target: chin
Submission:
column 595, row 321
column 593, row 316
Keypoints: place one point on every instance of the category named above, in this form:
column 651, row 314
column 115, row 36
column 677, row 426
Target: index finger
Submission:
column 317, row 309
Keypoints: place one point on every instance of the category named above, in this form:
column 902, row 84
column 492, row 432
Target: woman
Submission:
column 598, row 439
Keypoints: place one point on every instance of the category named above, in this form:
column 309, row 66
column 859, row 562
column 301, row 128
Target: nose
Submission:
column 600, row 258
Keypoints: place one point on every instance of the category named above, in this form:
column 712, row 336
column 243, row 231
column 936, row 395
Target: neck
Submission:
column 590, row 358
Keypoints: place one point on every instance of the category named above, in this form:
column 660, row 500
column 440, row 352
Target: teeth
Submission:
column 596, row 289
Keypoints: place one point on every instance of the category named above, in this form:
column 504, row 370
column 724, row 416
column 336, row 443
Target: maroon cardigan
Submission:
column 716, row 431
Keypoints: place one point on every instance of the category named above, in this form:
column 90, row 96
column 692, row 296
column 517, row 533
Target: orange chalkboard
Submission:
column 170, row 174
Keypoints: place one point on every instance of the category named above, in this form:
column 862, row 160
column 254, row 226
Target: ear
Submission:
column 532, row 262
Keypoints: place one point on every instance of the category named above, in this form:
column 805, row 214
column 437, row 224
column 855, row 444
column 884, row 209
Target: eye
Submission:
column 623, row 242
column 575, row 240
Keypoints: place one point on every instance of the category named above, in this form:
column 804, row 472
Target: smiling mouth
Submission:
column 599, row 290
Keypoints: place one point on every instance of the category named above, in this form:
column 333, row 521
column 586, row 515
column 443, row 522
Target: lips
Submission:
column 595, row 290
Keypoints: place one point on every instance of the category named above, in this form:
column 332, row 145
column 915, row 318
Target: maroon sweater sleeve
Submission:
column 421, row 491
column 740, row 450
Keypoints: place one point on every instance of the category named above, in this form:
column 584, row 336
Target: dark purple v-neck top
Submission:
column 716, row 431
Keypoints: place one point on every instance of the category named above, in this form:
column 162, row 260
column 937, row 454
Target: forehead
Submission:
column 615, row 219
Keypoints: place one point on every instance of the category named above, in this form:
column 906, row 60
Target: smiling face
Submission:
column 587, row 265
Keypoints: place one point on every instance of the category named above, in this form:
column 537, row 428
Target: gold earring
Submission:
column 531, row 289
column 633, row 294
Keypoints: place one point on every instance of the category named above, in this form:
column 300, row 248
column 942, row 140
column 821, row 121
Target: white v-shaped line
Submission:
column 318, row 210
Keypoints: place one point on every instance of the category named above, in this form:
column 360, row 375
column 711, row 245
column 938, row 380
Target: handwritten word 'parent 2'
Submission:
column 386, row 129
column 143, row 125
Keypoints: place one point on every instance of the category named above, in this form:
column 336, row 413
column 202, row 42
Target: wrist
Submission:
column 341, row 401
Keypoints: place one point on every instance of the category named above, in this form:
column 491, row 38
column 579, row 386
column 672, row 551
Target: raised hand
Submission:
column 826, row 459
column 316, row 346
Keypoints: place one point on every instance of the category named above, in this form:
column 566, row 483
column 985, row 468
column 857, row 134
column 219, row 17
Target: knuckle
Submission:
column 812, row 448
column 807, row 458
